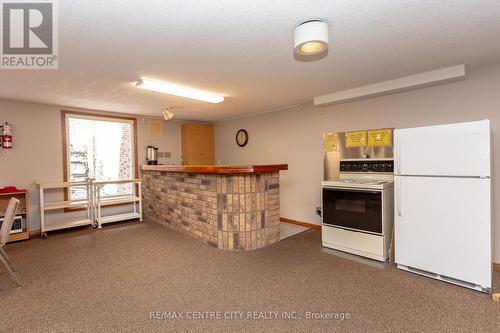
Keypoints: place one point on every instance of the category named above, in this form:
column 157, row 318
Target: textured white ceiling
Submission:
column 243, row 50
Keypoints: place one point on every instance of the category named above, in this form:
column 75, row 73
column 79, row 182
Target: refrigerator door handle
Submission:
column 398, row 197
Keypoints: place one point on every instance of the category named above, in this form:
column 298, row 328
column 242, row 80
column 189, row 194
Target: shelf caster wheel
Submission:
column 45, row 236
column 95, row 226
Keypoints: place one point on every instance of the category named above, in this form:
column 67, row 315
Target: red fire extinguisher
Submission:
column 6, row 136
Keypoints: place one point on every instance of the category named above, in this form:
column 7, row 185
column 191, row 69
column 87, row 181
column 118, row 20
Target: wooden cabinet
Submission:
column 197, row 145
column 22, row 211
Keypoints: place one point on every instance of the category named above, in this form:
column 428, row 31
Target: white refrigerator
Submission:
column 443, row 202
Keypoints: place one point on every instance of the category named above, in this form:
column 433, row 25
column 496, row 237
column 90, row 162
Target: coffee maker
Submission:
column 152, row 156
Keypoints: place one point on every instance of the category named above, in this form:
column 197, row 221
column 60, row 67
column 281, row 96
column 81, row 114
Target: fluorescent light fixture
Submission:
column 174, row 89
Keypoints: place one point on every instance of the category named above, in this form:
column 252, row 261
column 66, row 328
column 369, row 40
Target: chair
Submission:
column 4, row 236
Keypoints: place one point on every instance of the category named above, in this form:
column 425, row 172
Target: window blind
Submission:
column 100, row 148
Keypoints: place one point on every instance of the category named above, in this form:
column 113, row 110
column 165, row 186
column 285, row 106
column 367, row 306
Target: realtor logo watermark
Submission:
column 29, row 35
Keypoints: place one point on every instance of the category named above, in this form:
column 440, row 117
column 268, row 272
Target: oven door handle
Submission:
column 354, row 190
column 398, row 196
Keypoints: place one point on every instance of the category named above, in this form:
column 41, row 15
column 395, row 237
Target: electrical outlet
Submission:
column 318, row 211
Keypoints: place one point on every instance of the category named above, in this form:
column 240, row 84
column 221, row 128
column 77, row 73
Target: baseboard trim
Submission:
column 304, row 224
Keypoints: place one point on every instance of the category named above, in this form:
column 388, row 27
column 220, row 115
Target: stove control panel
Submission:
column 367, row 166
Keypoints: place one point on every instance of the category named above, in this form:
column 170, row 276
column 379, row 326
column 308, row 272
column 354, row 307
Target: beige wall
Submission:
column 37, row 152
column 295, row 136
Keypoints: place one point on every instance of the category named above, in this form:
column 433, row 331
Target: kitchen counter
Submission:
column 218, row 169
column 232, row 208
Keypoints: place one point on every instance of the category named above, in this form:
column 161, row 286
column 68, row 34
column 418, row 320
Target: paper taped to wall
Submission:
column 379, row 138
column 331, row 142
column 355, row 139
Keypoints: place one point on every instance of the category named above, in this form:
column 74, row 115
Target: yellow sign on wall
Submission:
column 331, row 142
column 378, row 138
column 355, row 139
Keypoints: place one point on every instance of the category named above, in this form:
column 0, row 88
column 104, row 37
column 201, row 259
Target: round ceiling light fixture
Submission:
column 310, row 37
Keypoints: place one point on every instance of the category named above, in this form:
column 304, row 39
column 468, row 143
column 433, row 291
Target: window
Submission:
column 99, row 147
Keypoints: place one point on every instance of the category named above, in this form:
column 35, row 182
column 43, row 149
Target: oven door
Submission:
column 355, row 209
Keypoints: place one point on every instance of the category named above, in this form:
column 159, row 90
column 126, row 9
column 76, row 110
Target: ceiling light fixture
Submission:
column 167, row 114
column 311, row 37
column 174, row 89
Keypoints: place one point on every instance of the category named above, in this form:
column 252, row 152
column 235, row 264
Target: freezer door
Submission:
column 443, row 226
column 461, row 149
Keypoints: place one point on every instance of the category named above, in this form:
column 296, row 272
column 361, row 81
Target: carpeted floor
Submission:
column 290, row 230
column 110, row 280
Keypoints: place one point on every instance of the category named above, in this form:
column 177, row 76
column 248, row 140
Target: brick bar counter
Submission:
column 233, row 208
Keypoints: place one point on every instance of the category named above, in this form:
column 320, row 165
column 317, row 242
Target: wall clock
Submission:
column 242, row 138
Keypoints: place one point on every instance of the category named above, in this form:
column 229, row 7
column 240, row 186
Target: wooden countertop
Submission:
column 218, row 169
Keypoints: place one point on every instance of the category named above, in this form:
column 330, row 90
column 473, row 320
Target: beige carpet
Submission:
column 110, row 280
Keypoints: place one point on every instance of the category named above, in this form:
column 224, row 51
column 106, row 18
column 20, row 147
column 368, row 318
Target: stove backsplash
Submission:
column 336, row 149
column 367, row 165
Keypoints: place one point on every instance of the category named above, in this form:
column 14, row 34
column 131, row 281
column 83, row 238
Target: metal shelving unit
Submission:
column 93, row 204
column 135, row 198
column 87, row 204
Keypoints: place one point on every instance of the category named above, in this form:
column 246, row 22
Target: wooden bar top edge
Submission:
column 218, row 169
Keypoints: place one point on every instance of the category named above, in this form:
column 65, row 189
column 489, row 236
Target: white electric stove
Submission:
column 357, row 209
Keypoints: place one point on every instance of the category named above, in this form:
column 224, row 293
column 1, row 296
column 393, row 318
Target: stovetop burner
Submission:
column 360, row 181
column 368, row 174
